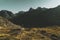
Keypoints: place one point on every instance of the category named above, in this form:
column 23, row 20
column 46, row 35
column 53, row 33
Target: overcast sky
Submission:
column 23, row 5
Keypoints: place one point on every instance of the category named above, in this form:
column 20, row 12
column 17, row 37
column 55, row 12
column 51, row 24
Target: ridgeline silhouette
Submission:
column 40, row 17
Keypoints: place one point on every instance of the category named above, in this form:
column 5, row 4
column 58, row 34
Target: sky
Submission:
column 24, row 5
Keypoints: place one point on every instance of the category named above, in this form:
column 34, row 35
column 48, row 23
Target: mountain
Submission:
column 10, row 31
column 40, row 17
column 6, row 14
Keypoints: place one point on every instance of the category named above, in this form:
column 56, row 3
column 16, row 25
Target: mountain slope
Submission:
column 6, row 23
column 10, row 31
column 6, row 14
column 7, row 29
column 40, row 17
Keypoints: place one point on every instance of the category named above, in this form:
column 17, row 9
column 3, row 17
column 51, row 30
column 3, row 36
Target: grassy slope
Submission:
column 48, row 33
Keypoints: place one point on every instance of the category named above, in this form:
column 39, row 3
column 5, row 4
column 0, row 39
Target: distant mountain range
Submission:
column 40, row 17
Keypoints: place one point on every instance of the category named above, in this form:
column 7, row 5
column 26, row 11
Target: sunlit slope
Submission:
column 7, row 29
column 49, row 33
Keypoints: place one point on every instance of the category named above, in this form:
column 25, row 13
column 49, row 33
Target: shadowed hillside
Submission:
column 39, row 17
column 6, row 14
